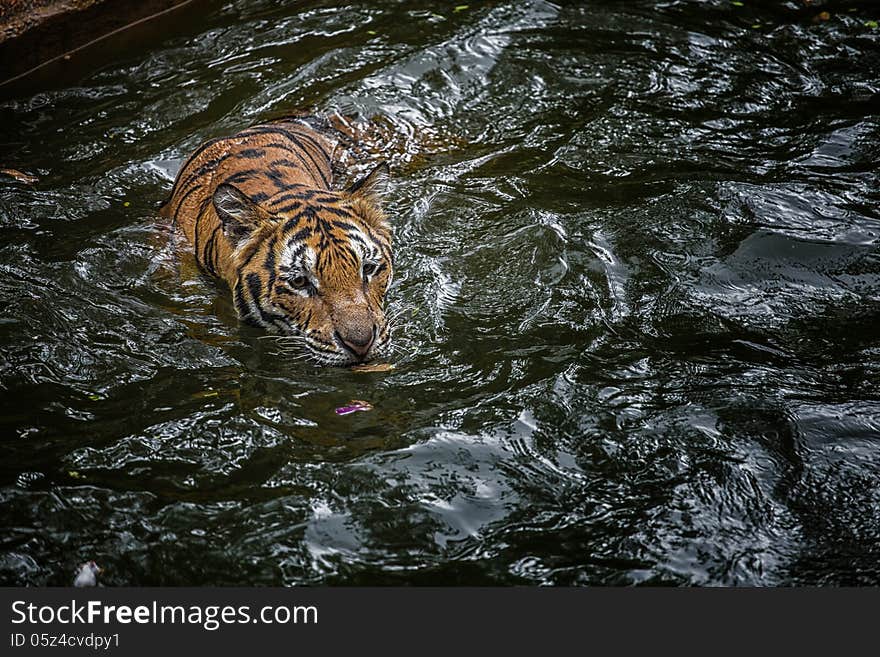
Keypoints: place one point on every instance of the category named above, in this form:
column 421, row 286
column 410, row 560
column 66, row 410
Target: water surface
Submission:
column 638, row 292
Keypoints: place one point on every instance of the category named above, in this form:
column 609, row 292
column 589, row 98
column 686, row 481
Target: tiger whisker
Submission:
column 391, row 317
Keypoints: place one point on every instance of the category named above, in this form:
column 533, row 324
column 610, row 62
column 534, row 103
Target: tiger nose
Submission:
column 358, row 341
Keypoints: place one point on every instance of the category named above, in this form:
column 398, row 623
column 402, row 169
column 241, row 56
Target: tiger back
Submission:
column 260, row 211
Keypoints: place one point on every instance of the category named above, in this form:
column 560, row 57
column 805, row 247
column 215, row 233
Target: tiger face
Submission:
column 313, row 264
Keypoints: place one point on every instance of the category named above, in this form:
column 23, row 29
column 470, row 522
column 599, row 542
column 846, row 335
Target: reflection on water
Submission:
column 638, row 297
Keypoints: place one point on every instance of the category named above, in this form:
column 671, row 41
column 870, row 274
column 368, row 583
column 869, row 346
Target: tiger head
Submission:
column 314, row 264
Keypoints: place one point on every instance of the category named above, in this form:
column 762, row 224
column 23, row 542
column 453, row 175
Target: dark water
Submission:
column 639, row 286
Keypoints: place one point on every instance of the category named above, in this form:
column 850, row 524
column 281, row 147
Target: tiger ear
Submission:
column 239, row 216
column 373, row 185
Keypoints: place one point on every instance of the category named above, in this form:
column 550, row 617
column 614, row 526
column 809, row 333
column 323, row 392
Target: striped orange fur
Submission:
column 302, row 258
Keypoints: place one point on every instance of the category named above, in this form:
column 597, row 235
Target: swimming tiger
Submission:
column 261, row 212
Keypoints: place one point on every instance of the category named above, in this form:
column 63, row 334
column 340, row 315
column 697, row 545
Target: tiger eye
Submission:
column 370, row 269
column 299, row 282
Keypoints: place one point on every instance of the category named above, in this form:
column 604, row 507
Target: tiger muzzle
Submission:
column 358, row 340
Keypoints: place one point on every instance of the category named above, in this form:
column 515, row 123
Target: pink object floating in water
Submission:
column 354, row 406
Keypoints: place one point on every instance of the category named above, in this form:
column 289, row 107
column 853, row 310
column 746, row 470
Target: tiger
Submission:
column 261, row 211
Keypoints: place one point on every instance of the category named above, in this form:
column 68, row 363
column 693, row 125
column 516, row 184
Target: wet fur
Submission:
column 260, row 211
